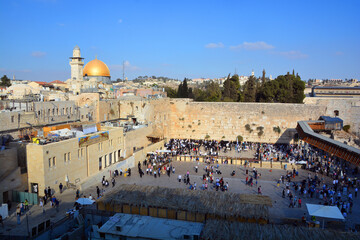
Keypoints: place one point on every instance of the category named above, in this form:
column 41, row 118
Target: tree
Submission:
column 235, row 88
column 180, row 91
column 171, row 93
column 199, row 95
column 250, row 90
column 213, row 92
column 5, row 81
column 185, row 89
column 263, row 79
column 226, row 93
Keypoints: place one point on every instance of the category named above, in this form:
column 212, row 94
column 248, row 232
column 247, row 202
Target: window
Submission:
column 106, row 164
column 49, row 162
column 119, row 155
column 53, row 111
column 100, row 163
column 110, row 142
column 12, row 119
column 99, row 147
column 110, row 158
column 65, row 157
column 54, row 161
column 82, row 152
column 79, row 153
column 115, row 160
column 336, row 113
column 69, row 156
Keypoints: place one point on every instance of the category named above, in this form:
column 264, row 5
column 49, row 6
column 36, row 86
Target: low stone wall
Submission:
column 240, row 162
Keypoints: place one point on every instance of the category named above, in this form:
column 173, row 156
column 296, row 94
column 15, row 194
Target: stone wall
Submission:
column 8, row 161
column 228, row 120
column 348, row 108
column 136, row 139
column 14, row 120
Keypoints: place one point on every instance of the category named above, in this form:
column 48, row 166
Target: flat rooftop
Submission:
column 137, row 226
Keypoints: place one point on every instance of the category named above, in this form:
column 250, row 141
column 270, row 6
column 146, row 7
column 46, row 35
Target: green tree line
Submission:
column 287, row 88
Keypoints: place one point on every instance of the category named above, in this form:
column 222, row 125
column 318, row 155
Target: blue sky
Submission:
column 319, row 39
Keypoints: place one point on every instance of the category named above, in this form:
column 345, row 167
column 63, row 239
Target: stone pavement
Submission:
column 267, row 182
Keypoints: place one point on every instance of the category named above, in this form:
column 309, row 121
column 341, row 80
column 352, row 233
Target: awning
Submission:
column 324, row 211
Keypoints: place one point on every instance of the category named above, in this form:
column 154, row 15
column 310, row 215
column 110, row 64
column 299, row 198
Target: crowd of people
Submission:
column 206, row 147
column 321, row 167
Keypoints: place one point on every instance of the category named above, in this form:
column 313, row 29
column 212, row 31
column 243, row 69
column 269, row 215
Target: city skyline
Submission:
column 207, row 39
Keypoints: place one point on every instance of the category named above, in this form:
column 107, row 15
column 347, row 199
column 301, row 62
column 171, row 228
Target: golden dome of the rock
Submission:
column 96, row 68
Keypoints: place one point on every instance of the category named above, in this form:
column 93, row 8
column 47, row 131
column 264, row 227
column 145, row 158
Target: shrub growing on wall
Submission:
column 346, row 128
column 239, row 138
column 277, row 129
column 248, row 128
column 261, row 131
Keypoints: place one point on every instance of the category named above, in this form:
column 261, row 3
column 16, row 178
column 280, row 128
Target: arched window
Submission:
column 336, row 113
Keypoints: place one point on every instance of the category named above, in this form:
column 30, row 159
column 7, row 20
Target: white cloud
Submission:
column 214, row 45
column 253, row 46
column 120, row 21
column 128, row 67
column 292, row 54
column 38, row 54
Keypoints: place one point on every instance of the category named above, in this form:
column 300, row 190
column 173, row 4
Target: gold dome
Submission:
column 96, row 68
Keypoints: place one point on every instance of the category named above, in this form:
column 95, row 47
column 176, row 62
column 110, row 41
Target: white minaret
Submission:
column 252, row 73
column 76, row 64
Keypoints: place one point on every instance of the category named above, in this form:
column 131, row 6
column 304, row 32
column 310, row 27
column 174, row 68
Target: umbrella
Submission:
column 85, row 201
column 301, row 162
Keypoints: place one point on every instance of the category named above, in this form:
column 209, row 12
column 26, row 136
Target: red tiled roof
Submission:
column 43, row 83
column 57, row 81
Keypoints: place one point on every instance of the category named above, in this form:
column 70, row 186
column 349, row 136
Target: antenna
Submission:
column 123, row 70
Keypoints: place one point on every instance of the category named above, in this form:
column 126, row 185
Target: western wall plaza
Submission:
column 176, row 120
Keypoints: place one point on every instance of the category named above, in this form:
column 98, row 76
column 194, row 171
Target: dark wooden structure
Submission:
column 329, row 145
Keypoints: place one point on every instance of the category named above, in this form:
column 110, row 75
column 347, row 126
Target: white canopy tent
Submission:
column 163, row 151
column 324, row 211
column 85, row 201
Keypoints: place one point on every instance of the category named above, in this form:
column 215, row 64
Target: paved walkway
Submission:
column 267, row 182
